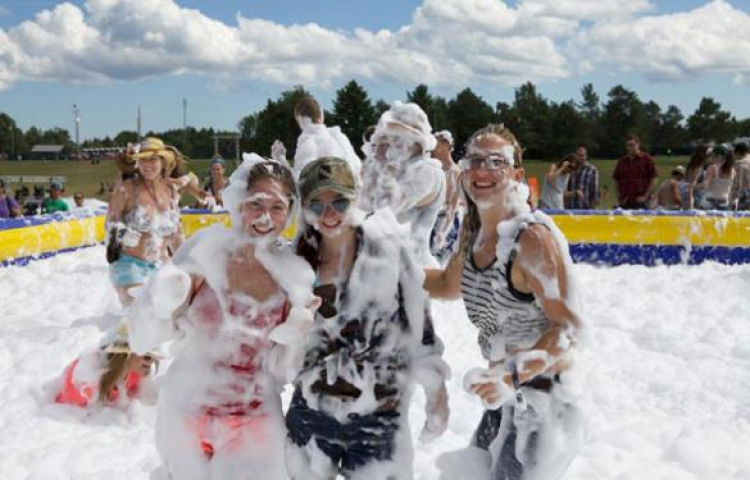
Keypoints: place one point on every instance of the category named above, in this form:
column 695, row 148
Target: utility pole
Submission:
column 77, row 118
column 12, row 128
column 184, row 114
column 138, row 124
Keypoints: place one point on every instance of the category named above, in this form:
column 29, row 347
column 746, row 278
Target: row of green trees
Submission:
column 547, row 129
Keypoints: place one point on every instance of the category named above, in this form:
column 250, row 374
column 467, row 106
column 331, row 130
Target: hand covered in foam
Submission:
column 295, row 328
column 488, row 384
column 437, row 412
column 150, row 316
column 130, row 238
column 209, row 203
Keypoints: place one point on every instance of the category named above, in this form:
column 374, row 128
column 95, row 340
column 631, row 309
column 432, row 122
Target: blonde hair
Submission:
column 471, row 223
column 117, row 367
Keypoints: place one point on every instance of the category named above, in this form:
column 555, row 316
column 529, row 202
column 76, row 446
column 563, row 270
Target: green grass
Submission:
column 538, row 168
column 86, row 177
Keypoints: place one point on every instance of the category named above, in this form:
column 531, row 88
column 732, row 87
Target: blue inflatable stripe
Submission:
column 651, row 255
column 23, row 261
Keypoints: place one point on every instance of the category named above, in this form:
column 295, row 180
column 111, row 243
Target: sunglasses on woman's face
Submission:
column 341, row 205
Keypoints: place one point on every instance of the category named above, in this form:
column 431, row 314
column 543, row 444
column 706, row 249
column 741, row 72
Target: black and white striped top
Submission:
column 505, row 317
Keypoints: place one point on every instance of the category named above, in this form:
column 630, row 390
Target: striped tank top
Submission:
column 505, row 317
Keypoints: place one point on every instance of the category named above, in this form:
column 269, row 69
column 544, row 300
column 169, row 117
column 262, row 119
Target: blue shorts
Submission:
column 349, row 445
column 129, row 270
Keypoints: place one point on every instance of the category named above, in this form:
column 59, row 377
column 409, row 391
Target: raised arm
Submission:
column 445, row 283
column 151, row 316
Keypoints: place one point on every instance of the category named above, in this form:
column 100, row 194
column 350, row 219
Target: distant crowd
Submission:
column 716, row 178
column 41, row 200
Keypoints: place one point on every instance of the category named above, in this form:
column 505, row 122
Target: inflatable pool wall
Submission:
column 597, row 237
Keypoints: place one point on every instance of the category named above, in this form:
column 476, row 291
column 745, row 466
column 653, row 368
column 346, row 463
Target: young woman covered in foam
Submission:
column 370, row 342
column 143, row 218
column 513, row 271
column 109, row 375
column 231, row 297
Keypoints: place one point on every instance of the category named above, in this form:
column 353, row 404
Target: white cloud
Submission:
column 712, row 38
column 447, row 42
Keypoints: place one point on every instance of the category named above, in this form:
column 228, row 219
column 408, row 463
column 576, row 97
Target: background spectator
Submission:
column 217, row 179
column 583, row 185
column 696, row 173
column 635, row 176
column 556, row 182
column 78, row 199
column 54, row 203
column 674, row 192
column 9, row 208
column 742, row 179
column 719, row 180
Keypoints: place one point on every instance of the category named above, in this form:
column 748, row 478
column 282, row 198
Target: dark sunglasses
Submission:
column 341, row 205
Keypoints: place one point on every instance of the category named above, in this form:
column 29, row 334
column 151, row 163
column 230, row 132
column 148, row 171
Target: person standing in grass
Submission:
column 583, row 186
column 635, row 177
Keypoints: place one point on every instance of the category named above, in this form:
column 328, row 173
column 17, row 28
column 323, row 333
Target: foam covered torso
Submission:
column 506, row 319
column 234, row 346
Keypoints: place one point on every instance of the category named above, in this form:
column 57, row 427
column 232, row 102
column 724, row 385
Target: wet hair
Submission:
column 271, row 169
column 471, row 221
column 307, row 106
column 498, row 130
column 117, row 366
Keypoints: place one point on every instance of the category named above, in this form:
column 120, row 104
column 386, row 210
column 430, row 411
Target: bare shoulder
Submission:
column 537, row 242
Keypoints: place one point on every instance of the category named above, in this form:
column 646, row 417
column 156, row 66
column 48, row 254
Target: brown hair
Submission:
column 634, row 138
column 498, row 130
column 117, row 366
column 471, row 221
column 570, row 158
column 307, row 106
column 697, row 159
column 275, row 171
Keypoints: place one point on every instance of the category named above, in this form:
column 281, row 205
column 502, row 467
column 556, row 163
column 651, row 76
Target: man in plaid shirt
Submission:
column 583, row 186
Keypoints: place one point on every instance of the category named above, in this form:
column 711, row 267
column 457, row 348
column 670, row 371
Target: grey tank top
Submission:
column 505, row 317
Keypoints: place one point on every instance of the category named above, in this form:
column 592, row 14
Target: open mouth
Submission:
column 263, row 230
column 331, row 225
column 483, row 185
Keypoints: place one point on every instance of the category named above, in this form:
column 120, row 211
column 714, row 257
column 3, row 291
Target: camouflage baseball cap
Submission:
column 326, row 173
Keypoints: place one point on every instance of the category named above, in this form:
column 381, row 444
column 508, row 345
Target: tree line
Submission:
column 547, row 129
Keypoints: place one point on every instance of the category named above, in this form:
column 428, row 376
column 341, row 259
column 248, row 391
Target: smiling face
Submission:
column 150, row 167
column 265, row 211
column 487, row 186
column 329, row 213
column 217, row 170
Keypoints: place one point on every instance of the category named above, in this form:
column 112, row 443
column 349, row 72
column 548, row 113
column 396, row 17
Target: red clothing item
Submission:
column 83, row 393
column 633, row 176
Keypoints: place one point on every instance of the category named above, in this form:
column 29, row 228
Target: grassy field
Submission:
column 87, row 178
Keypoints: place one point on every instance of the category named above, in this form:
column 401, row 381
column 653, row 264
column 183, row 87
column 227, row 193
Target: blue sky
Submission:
column 220, row 90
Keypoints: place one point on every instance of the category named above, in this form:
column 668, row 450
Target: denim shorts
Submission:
column 129, row 270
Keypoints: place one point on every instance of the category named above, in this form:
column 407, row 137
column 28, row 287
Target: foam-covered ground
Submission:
column 665, row 376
